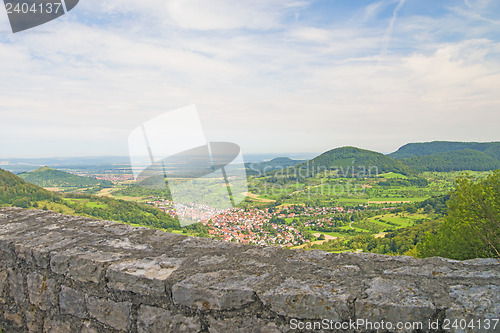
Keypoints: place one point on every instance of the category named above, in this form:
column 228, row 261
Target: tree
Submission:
column 472, row 228
column 428, row 208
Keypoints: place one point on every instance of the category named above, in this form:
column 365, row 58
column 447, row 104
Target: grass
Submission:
column 394, row 221
column 377, row 224
column 333, row 234
column 55, row 207
column 93, row 204
column 392, row 175
column 90, row 204
column 352, row 200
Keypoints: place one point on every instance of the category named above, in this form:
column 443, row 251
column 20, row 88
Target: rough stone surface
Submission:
column 72, row 302
column 302, row 299
column 144, row 276
column 84, row 265
column 394, row 300
column 114, row 314
column 56, row 326
column 16, row 284
column 474, row 303
column 87, row 327
column 3, row 280
column 221, row 290
column 72, row 274
column 42, row 291
column 158, row 320
column 239, row 325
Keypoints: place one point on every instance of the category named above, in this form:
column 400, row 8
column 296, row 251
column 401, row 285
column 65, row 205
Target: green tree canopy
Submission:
column 472, row 228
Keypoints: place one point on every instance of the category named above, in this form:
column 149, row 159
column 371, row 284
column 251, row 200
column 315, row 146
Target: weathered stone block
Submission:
column 87, row 327
column 14, row 318
column 48, row 243
column 3, row 281
column 22, row 252
column 72, row 302
column 83, row 266
column 108, row 312
column 56, row 326
column 221, row 290
column 475, row 303
column 211, row 260
column 145, row 276
column 16, row 284
column 34, row 319
column 395, row 301
column 242, row 325
column 41, row 291
column 157, row 320
column 302, row 299
column 432, row 271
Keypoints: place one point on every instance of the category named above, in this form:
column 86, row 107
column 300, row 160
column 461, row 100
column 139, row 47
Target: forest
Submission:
column 14, row 191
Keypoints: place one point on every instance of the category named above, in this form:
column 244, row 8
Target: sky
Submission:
column 270, row 75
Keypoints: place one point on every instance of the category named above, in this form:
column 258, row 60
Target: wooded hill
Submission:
column 17, row 192
column 274, row 164
column 459, row 160
column 442, row 156
column 14, row 191
column 352, row 162
column 450, row 156
column 48, row 177
column 436, row 147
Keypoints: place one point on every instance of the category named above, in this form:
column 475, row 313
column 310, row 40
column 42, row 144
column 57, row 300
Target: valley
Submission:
column 342, row 200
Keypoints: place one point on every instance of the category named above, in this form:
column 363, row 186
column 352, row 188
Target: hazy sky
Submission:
column 270, row 75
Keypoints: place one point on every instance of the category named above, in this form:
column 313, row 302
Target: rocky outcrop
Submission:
column 72, row 274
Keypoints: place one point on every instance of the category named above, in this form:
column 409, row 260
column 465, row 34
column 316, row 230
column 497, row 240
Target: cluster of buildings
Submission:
column 115, row 178
column 250, row 226
column 253, row 226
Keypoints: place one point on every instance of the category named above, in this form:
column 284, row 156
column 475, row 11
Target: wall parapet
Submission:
column 71, row 274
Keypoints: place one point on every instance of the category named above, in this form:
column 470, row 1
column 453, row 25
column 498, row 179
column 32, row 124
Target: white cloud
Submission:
column 311, row 34
column 227, row 14
column 388, row 33
column 301, row 86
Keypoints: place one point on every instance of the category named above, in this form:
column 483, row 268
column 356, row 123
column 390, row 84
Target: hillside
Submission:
column 48, row 177
column 450, row 156
column 351, row 161
column 274, row 164
column 430, row 148
column 460, row 160
column 16, row 192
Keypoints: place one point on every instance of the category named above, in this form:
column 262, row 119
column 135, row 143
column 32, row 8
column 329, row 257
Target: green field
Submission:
column 87, row 203
column 390, row 188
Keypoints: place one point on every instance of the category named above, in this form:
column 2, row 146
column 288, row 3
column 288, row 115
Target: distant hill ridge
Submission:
column 450, row 156
column 48, row 177
column 14, row 191
column 435, row 147
column 407, row 160
column 274, row 164
column 352, row 161
column 459, row 160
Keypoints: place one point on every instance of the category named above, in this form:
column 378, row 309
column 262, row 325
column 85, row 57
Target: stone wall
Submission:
column 71, row 274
